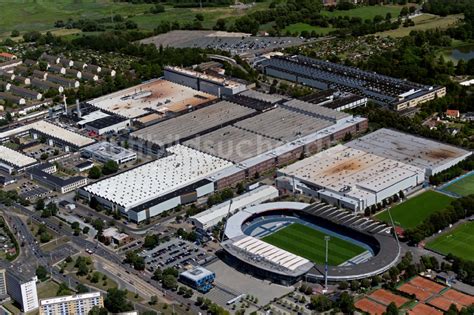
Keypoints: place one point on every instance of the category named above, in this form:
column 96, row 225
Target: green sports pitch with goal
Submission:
column 309, row 243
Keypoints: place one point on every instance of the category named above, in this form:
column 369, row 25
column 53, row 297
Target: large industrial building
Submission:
column 155, row 138
column 397, row 94
column 431, row 156
column 150, row 189
column 366, row 171
column 349, row 178
column 236, row 138
column 204, row 82
column 150, row 97
column 11, row 160
column 54, row 134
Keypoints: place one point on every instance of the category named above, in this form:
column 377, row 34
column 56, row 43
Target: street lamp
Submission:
column 326, row 239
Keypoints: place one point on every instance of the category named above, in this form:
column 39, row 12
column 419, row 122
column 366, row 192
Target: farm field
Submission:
column 457, row 242
column 424, row 22
column 24, row 15
column 309, row 243
column 414, row 210
column 462, row 187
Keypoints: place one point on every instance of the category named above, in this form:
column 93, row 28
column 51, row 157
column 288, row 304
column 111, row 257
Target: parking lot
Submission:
column 175, row 253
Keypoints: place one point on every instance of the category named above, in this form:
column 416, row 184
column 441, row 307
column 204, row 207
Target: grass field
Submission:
column 463, row 187
column 367, row 12
column 457, row 242
column 424, row 22
column 309, row 243
column 413, row 211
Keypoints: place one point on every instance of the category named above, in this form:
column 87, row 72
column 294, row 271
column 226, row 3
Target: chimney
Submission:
column 78, row 108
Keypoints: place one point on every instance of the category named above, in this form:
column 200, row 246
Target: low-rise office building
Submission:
column 198, row 278
column 106, row 151
column 44, row 174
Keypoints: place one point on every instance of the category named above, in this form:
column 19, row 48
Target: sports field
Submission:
column 412, row 212
column 463, row 187
column 457, row 242
column 309, row 243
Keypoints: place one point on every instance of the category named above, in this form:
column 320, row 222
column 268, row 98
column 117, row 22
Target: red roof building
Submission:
column 453, row 113
column 7, row 56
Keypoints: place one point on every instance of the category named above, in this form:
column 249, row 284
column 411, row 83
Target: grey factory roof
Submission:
column 233, row 144
column 194, row 123
column 272, row 98
column 316, row 110
column 409, row 149
column 283, row 124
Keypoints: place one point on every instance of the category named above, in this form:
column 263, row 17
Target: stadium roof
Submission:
column 136, row 186
column 151, row 96
column 233, row 144
column 197, row 122
column 15, row 158
column 409, row 149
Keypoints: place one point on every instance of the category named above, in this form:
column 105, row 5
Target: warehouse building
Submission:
column 106, row 151
column 207, row 83
column 148, row 190
column 150, row 97
column 429, row 155
column 152, row 139
column 211, row 217
column 54, row 134
column 14, row 161
column 349, row 178
column 397, row 94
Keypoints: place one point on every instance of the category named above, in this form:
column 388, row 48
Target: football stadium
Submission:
column 285, row 242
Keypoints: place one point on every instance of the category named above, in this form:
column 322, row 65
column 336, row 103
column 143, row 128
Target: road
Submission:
column 110, row 260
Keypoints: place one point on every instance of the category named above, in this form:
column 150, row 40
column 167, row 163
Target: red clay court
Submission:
column 423, row 309
column 459, row 297
column 444, row 304
column 370, row 307
column 426, row 284
column 386, row 297
column 420, row 294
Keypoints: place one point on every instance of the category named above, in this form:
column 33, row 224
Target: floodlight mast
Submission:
column 326, row 239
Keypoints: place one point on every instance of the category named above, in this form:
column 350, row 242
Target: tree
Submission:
column 151, row 241
column 96, row 310
column 41, row 273
column 63, row 289
column 157, row 274
column 170, row 282
column 199, row 17
column 346, row 303
column 320, row 303
column 95, row 172
column 153, row 300
column 80, row 288
column 116, row 301
column 110, row 167
column 392, row 309
column 39, row 204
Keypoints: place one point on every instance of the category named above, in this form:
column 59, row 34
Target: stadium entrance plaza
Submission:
column 231, row 283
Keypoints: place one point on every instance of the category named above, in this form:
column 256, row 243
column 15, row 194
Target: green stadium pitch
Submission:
column 457, row 242
column 309, row 243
